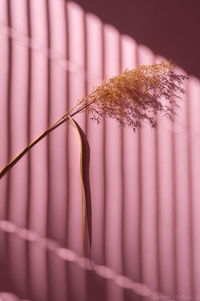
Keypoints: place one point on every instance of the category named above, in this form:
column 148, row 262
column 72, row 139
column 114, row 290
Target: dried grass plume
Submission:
column 131, row 98
column 137, row 95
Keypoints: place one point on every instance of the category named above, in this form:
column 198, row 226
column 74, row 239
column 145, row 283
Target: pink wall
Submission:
column 145, row 188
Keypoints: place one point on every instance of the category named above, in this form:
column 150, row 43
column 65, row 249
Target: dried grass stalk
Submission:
column 131, row 98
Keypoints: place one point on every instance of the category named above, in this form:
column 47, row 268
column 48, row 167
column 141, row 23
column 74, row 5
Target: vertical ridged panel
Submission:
column 144, row 185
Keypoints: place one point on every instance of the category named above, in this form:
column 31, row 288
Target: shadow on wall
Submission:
column 169, row 28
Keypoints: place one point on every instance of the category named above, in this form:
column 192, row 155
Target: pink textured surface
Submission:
column 145, row 188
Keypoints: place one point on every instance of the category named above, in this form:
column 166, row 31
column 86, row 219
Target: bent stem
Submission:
column 82, row 183
column 63, row 118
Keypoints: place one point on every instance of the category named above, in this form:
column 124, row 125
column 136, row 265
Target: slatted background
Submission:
column 145, row 191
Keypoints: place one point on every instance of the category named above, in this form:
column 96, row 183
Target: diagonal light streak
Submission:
column 68, row 255
column 6, row 296
column 42, row 50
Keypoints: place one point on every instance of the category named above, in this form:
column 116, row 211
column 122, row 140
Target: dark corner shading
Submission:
column 169, row 28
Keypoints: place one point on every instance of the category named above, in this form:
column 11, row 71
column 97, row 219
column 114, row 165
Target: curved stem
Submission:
column 82, row 183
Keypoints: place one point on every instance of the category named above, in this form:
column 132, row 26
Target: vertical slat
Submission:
column 131, row 198
column 95, row 137
column 39, row 121
column 113, row 201
column 5, row 50
column 39, row 155
column 9, row 87
column 18, row 124
column 76, row 92
column 190, row 193
column 76, row 276
column 95, row 134
column 182, row 205
column 149, row 197
column 4, row 62
column 166, row 205
column 57, row 152
column 194, row 96
column 19, row 127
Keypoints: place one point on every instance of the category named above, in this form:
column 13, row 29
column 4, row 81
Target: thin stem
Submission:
column 63, row 118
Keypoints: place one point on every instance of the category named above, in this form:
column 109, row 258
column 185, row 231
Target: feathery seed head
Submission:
column 137, row 95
